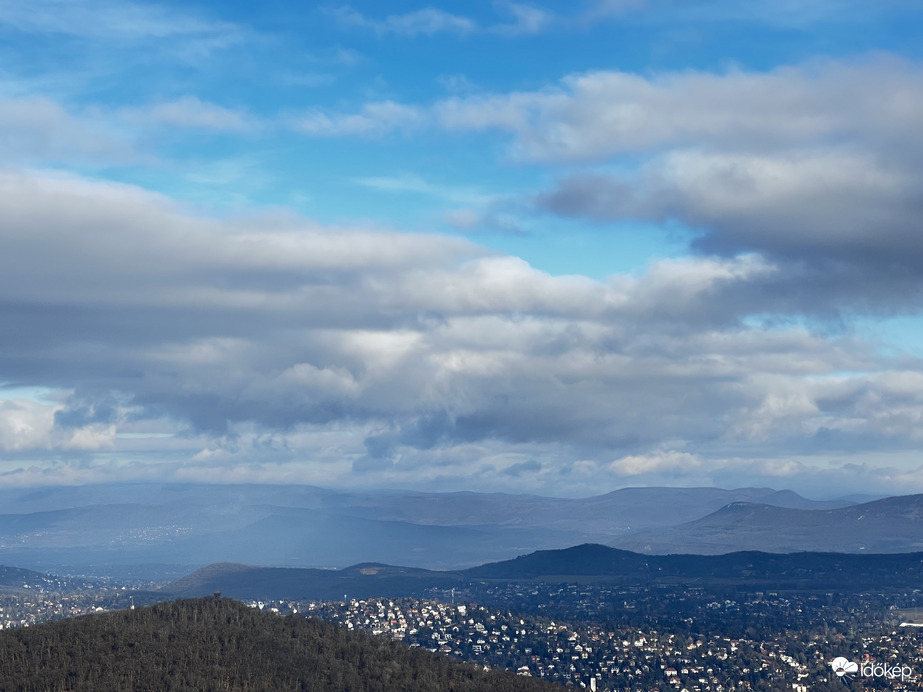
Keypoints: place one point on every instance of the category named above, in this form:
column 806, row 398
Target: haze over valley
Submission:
column 158, row 529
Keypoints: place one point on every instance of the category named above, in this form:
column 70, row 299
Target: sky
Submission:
column 545, row 247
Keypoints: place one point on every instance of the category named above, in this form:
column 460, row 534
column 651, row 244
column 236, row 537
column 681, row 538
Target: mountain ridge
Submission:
column 888, row 525
column 752, row 570
column 114, row 529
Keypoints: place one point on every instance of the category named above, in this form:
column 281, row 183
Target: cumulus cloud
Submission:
column 840, row 227
column 24, row 424
column 787, row 165
column 439, row 360
column 597, row 115
column 258, row 338
column 845, row 205
column 27, row 425
column 272, row 347
column 649, row 463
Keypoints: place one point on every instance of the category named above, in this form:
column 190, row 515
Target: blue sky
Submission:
column 543, row 247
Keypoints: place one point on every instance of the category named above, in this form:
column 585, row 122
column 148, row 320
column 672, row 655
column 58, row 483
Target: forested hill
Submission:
column 221, row 644
column 14, row 578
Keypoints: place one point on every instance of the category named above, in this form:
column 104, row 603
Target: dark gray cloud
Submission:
column 524, row 467
column 841, row 229
column 814, row 170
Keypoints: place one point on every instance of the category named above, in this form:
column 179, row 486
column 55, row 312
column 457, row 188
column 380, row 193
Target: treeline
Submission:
column 221, row 644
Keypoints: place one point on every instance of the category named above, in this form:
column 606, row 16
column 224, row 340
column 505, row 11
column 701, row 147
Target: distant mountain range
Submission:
column 166, row 530
column 891, row 525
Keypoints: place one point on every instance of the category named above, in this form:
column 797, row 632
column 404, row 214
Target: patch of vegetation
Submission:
column 221, row 644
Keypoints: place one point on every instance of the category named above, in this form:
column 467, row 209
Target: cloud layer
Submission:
column 280, row 325
column 243, row 334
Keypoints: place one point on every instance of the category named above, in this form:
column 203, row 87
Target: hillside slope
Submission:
column 362, row 580
column 847, row 572
column 220, row 644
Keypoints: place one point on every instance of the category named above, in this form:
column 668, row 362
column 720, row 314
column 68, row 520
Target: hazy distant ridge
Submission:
column 105, row 529
column 891, row 525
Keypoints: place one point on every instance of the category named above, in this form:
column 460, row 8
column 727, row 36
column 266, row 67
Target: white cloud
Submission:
column 655, row 463
column 528, row 20
column 429, row 21
column 91, row 437
column 24, row 424
column 598, row 115
column 192, row 112
column 374, row 119
column 39, row 130
column 426, row 22
column 106, row 19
